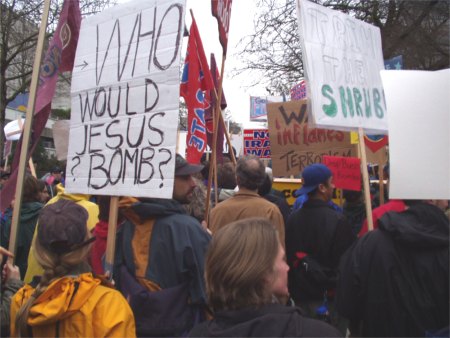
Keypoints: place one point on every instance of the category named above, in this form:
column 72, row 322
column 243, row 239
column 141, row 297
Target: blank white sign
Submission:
column 418, row 104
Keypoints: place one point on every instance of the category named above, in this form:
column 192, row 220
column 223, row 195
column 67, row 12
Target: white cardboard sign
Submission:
column 419, row 133
column 125, row 98
column 342, row 57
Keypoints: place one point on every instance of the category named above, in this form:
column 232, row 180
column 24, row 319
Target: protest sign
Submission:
column 13, row 129
column 258, row 110
column 346, row 171
column 61, row 132
column 419, row 123
column 298, row 92
column 342, row 57
column 294, row 145
column 125, row 98
column 256, row 142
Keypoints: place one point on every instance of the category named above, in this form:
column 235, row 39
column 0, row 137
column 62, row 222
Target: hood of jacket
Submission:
column 30, row 210
column 61, row 299
column 156, row 208
column 270, row 321
column 422, row 226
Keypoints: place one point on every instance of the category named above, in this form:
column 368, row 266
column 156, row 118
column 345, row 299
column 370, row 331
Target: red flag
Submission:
column 59, row 58
column 196, row 79
column 221, row 10
column 210, row 98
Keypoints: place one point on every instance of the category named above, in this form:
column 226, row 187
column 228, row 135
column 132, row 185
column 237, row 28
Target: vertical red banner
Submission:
column 221, row 10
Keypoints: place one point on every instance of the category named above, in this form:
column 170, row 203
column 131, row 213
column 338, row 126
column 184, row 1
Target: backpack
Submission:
column 310, row 279
column 164, row 313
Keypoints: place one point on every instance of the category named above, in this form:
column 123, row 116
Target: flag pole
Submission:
column 26, row 135
column 30, row 161
column 217, row 115
column 381, row 183
column 213, row 167
column 227, row 136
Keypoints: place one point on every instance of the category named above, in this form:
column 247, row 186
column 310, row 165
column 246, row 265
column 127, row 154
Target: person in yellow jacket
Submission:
column 68, row 301
column 34, row 269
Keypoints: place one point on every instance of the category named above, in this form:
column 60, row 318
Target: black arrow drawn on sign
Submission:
column 83, row 65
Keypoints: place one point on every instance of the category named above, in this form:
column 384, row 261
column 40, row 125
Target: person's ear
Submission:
column 322, row 188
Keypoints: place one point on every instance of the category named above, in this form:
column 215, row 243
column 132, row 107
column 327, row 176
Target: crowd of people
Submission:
column 251, row 267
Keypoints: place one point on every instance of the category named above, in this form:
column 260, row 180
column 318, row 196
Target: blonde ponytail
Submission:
column 55, row 266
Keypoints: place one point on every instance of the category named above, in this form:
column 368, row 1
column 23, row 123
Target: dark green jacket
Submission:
column 29, row 214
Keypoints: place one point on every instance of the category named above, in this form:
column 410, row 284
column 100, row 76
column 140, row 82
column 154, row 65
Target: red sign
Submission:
column 256, row 142
column 221, row 10
column 346, row 171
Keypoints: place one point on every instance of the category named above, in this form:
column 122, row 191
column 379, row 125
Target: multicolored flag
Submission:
column 211, row 100
column 195, row 80
column 59, row 58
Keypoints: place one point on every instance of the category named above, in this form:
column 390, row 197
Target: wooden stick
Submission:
column 32, row 168
column 111, row 239
column 381, row 183
column 6, row 163
column 227, row 136
column 30, row 161
column 27, row 132
column 216, row 112
column 222, row 122
column 365, row 174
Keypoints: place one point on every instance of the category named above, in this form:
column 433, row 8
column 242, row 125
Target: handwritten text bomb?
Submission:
column 125, row 101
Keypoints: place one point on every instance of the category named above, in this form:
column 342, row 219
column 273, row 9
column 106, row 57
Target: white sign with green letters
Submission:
column 342, row 58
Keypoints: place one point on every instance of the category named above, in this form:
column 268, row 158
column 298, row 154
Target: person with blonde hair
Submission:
column 68, row 301
column 246, row 276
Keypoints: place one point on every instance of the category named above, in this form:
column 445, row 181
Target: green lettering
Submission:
column 368, row 103
column 377, row 100
column 346, row 101
column 358, row 99
column 329, row 109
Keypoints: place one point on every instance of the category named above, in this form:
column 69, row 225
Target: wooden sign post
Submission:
column 27, row 131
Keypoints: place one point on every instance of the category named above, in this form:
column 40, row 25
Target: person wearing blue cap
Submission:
column 316, row 237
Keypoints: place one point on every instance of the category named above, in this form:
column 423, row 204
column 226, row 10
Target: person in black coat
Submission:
column 394, row 281
column 246, row 279
column 316, row 237
column 265, row 190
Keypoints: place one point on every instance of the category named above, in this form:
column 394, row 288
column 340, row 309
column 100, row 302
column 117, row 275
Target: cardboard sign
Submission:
column 256, row 142
column 346, row 171
column 419, row 129
column 288, row 186
column 125, row 98
column 342, row 57
column 294, row 145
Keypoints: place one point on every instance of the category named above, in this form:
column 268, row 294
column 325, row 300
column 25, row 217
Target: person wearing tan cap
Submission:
column 68, row 301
